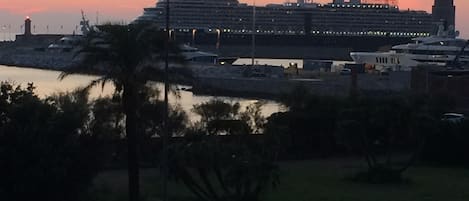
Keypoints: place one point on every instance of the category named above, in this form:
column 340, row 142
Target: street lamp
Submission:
column 218, row 38
column 194, row 31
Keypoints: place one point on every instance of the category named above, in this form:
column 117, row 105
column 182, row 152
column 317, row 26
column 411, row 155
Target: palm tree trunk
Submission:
column 413, row 159
column 166, row 134
column 129, row 104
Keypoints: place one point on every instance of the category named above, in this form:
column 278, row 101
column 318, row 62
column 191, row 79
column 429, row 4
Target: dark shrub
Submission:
column 449, row 145
column 45, row 152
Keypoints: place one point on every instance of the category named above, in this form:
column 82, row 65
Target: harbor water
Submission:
column 47, row 83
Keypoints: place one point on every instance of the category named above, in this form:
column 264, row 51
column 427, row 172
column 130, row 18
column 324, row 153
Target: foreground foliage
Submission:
column 319, row 179
column 128, row 56
column 220, row 160
column 47, row 151
column 52, row 148
column 389, row 131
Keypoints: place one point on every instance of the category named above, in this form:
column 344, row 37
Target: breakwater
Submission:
column 36, row 59
column 17, row 54
column 31, row 51
column 338, row 85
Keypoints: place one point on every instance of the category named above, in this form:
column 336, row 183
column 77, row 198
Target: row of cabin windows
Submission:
column 433, row 52
column 385, row 60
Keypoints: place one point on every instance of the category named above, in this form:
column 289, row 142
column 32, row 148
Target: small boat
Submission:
column 227, row 60
column 192, row 54
column 65, row 44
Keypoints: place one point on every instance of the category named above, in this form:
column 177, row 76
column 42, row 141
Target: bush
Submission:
column 449, row 145
column 214, row 168
column 46, row 152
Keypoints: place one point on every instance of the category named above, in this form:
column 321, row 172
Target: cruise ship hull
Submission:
column 354, row 42
column 300, row 46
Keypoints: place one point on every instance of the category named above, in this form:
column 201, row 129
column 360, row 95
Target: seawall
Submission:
column 45, row 60
column 281, row 52
column 339, row 85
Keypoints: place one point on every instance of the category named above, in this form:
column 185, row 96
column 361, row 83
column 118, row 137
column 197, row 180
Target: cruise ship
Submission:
column 300, row 23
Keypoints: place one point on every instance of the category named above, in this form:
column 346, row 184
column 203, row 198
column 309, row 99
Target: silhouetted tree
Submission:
column 308, row 126
column 447, row 144
column 127, row 56
column 47, row 151
column 216, row 109
column 381, row 128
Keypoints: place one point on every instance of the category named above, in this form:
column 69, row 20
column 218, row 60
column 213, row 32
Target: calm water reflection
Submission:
column 47, row 83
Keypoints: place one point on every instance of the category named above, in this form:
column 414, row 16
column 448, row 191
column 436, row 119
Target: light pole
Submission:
column 4, row 33
column 9, row 33
column 166, row 109
column 253, row 41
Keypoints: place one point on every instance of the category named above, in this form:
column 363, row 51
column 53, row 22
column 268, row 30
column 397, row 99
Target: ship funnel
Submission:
column 444, row 12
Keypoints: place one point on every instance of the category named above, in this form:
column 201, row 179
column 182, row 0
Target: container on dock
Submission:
column 317, row 65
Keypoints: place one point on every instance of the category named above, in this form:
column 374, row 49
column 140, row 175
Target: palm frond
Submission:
column 93, row 83
column 127, row 52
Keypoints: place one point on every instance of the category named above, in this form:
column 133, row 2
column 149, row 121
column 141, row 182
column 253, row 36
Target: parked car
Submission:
column 346, row 71
column 452, row 117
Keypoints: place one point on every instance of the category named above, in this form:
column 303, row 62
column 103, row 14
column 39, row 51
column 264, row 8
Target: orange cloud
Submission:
column 21, row 9
column 33, row 10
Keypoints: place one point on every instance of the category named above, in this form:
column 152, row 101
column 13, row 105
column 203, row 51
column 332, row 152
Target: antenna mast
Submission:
column 253, row 45
column 85, row 24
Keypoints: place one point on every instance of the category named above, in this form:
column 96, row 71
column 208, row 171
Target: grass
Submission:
column 112, row 186
column 318, row 180
column 324, row 181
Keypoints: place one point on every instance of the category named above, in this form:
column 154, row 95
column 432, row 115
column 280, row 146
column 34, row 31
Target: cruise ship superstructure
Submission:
column 300, row 23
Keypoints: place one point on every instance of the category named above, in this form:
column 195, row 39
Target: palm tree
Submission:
column 127, row 56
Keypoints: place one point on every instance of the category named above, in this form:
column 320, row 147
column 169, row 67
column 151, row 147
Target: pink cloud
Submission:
column 33, row 10
column 20, row 9
column 129, row 9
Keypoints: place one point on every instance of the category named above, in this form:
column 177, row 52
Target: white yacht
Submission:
column 193, row 54
column 65, row 44
column 439, row 50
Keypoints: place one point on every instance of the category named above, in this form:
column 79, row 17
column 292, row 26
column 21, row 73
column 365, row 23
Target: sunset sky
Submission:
column 63, row 16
